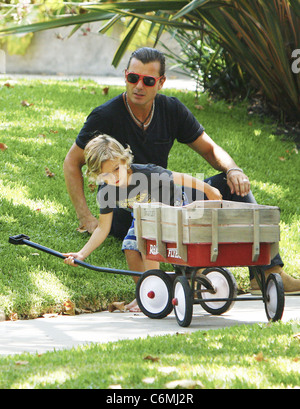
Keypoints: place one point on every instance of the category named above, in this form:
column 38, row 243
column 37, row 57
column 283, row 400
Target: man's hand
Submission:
column 88, row 223
column 238, row 183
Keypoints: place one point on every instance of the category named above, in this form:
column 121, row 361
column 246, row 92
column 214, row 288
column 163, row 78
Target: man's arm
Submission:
column 74, row 181
column 222, row 161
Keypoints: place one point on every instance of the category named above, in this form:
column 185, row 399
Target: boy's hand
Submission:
column 70, row 258
column 213, row 193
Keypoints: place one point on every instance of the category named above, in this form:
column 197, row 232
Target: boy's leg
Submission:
column 136, row 262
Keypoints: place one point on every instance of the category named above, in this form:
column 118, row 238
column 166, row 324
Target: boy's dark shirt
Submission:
column 149, row 183
column 171, row 120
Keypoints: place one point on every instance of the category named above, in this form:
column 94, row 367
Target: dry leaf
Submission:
column 297, row 336
column 117, row 305
column 8, row 85
column 199, row 107
column 49, row 173
column 3, row 147
column 13, row 316
column 50, row 315
column 184, row 384
column 52, row 131
column 22, row 362
column 118, row 386
column 260, row 357
column 282, row 158
column 25, row 103
column 151, row 358
column 92, row 186
column 105, row 90
column 69, row 307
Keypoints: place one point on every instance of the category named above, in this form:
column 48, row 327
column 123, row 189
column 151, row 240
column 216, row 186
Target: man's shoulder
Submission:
column 110, row 105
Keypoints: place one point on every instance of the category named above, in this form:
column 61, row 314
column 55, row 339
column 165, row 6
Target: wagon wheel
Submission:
column 154, row 294
column 274, row 304
column 183, row 301
column 224, row 284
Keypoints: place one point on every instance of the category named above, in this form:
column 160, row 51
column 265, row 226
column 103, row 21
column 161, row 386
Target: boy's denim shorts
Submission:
column 129, row 242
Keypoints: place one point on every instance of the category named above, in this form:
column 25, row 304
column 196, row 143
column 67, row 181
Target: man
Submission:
column 150, row 122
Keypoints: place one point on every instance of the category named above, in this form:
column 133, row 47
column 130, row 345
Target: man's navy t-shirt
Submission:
column 171, row 120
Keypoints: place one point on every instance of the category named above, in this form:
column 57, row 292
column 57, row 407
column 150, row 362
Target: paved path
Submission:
column 46, row 334
column 184, row 84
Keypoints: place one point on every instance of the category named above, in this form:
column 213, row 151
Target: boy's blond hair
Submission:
column 101, row 148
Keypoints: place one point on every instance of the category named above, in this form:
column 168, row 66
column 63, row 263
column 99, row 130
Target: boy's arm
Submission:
column 96, row 239
column 189, row 181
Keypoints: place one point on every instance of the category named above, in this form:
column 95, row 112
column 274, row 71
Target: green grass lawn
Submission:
column 241, row 357
column 39, row 132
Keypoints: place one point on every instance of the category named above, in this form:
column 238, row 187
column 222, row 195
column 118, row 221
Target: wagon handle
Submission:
column 23, row 239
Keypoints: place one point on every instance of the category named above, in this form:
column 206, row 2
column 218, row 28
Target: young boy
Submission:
column 125, row 184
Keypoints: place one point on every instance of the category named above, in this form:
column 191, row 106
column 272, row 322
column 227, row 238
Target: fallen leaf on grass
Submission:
column 8, row 85
column 117, row 305
column 105, row 90
column 92, row 186
column 22, row 362
column 69, row 307
column 50, row 315
column 297, row 336
column 3, row 147
column 25, row 103
column 151, row 358
column 260, row 357
column 49, row 174
column 118, row 386
column 184, row 384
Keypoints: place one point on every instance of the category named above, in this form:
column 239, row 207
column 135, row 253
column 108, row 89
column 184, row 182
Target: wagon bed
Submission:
column 200, row 240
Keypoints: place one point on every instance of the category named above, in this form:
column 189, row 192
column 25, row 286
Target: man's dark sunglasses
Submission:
column 148, row 80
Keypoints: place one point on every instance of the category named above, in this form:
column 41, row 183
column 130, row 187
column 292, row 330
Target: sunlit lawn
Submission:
column 39, row 132
column 249, row 357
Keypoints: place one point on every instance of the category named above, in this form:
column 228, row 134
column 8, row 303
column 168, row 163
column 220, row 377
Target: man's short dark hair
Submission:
column 146, row 55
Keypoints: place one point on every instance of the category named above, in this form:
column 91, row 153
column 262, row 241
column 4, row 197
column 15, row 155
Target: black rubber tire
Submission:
column 228, row 290
column 274, row 305
column 184, row 297
column 158, row 282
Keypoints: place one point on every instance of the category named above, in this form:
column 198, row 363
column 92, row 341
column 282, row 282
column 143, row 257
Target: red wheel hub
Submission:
column 151, row 294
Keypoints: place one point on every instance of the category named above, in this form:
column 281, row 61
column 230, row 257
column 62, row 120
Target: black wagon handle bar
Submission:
column 23, row 239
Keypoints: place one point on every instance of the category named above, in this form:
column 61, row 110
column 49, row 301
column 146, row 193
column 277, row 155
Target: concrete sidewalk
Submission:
column 61, row 332
column 180, row 83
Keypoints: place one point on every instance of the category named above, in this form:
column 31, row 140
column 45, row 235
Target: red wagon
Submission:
column 201, row 241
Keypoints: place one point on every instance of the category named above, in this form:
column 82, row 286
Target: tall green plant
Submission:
column 260, row 35
column 211, row 66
